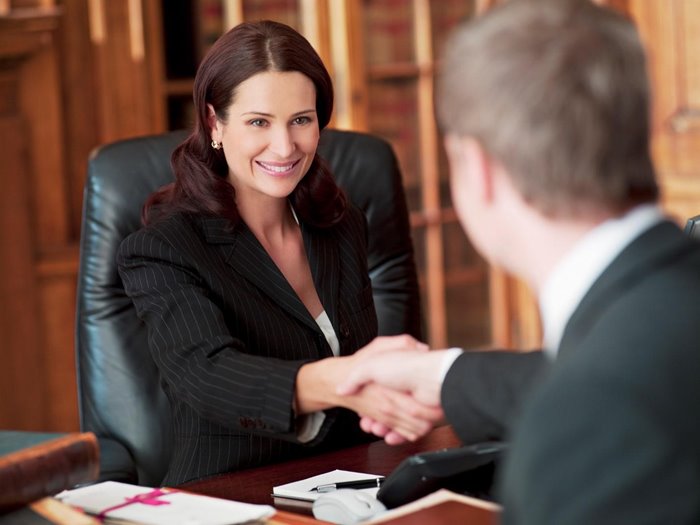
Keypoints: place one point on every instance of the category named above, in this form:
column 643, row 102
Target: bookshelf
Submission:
column 382, row 55
column 404, row 39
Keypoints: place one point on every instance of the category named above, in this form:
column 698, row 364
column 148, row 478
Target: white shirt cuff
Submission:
column 451, row 355
column 309, row 425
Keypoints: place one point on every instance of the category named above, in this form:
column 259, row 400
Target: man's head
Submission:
column 556, row 93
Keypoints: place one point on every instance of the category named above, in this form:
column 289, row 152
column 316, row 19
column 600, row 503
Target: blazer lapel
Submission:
column 657, row 246
column 324, row 261
column 245, row 254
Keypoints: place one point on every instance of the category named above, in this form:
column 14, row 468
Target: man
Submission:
column 544, row 104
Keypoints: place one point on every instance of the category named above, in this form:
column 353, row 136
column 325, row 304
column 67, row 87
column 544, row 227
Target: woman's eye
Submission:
column 258, row 122
column 300, row 121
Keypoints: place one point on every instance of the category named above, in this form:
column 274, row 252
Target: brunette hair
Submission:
column 201, row 173
column 557, row 91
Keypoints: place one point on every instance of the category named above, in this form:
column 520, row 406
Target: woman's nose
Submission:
column 282, row 143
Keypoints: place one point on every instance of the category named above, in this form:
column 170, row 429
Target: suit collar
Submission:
column 656, row 247
column 244, row 253
column 324, row 261
column 218, row 230
column 579, row 268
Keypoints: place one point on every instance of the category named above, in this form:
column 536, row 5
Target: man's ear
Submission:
column 480, row 166
column 213, row 123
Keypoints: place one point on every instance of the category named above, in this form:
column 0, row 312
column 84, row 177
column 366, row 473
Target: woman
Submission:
column 249, row 264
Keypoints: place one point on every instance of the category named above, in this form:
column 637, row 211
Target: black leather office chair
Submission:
column 119, row 386
column 692, row 227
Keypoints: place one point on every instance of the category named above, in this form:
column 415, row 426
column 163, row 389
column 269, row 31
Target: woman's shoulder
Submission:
column 170, row 225
column 172, row 230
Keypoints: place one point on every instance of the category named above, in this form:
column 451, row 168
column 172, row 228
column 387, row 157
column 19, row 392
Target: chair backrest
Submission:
column 119, row 389
column 692, row 227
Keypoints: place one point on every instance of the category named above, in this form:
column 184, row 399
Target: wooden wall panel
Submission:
column 64, row 89
column 28, row 146
column 21, row 402
column 57, row 316
column 41, row 105
column 78, row 101
column 671, row 32
column 123, row 88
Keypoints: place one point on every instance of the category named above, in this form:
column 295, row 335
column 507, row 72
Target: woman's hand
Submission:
column 394, row 414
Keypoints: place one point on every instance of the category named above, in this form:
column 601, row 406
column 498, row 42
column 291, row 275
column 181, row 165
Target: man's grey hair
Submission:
column 557, row 91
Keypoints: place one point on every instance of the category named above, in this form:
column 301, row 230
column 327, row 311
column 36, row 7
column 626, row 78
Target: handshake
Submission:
column 394, row 384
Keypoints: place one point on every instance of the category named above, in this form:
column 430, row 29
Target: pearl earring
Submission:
column 215, row 144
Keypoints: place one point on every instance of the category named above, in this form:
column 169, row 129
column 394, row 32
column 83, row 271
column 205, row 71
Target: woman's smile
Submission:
column 278, row 169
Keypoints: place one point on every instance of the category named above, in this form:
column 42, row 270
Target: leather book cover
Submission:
column 447, row 512
column 442, row 506
column 47, row 468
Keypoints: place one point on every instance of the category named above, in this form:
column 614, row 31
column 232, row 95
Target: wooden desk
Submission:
column 255, row 485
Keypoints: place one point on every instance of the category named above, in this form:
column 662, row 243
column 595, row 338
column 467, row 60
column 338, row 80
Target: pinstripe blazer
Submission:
column 229, row 334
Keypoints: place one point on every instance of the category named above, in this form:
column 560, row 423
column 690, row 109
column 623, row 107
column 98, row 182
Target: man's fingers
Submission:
column 394, row 438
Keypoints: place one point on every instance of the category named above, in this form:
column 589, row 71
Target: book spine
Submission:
column 47, row 468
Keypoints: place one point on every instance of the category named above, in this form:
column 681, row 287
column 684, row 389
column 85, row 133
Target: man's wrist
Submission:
column 451, row 355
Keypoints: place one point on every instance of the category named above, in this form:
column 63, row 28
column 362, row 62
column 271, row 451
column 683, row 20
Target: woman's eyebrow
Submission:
column 263, row 114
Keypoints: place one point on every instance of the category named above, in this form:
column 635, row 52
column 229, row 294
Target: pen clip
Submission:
column 327, row 487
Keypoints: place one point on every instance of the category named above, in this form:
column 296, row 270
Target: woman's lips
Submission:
column 278, row 169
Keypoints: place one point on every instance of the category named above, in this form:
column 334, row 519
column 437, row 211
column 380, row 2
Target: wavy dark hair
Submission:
column 201, row 174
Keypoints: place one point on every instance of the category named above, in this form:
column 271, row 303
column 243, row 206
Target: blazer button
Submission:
column 344, row 330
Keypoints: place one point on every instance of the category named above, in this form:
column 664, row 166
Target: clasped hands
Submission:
column 394, row 384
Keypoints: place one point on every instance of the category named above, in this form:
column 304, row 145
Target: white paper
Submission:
column 182, row 508
column 302, row 489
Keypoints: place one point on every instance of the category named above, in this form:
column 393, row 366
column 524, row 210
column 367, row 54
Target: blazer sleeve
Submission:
column 482, row 391
column 199, row 359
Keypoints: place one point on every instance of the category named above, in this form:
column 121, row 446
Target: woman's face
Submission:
column 271, row 134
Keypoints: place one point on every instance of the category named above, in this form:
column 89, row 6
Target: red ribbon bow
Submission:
column 147, row 498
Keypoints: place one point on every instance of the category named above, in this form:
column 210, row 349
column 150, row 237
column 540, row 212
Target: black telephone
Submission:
column 467, row 470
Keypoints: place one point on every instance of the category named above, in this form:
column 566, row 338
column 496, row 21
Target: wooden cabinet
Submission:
column 37, row 379
column 402, row 43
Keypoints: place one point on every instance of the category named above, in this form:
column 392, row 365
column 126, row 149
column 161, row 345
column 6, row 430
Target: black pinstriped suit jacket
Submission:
column 229, row 335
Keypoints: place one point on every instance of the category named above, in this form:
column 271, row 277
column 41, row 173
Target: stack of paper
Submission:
column 120, row 502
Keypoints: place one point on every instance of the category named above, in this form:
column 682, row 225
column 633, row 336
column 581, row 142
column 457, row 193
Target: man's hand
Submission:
column 402, row 365
column 416, row 372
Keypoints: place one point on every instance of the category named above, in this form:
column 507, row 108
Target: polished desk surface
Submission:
column 255, row 485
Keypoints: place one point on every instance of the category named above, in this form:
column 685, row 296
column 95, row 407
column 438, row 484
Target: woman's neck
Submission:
column 270, row 220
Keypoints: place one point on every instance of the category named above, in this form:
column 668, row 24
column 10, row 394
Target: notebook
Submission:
column 302, row 489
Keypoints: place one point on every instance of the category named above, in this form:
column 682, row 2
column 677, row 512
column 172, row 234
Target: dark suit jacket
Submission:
column 229, row 334
column 483, row 391
column 612, row 435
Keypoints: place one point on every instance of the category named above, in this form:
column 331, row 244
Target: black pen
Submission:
column 357, row 484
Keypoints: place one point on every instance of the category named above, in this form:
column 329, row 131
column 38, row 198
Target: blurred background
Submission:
column 75, row 74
